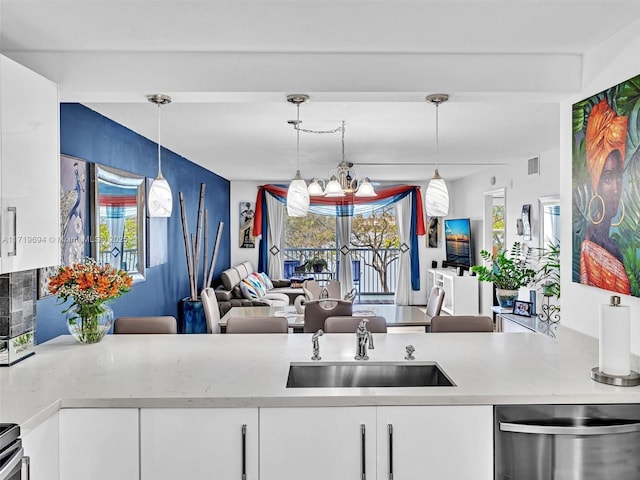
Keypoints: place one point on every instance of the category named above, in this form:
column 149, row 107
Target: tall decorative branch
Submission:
column 187, row 248
column 192, row 245
column 215, row 253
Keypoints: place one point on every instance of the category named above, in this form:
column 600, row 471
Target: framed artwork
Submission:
column 434, row 232
column 247, row 212
column 43, row 281
column 605, row 193
column 73, row 209
column 526, row 221
column 73, row 218
column 522, row 308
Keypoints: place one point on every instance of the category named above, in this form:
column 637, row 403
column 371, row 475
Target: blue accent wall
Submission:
column 92, row 137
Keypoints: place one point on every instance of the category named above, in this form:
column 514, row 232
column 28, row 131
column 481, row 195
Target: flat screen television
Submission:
column 458, row 245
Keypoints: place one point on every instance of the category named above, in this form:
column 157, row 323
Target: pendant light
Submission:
column 437, row 196
column 297, row 195
column 160, row 201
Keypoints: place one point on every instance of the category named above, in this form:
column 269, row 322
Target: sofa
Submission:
column 236, row 289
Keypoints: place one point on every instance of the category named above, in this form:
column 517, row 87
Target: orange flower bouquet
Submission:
column 89, row 286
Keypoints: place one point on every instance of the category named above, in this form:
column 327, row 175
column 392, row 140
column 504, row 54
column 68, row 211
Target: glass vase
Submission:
column 89, row 323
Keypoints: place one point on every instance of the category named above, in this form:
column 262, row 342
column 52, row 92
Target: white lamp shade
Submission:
column 297, row 197
column 366, row 189
column 315, row 189
column 437, row 197
column 333, row 188
column 160, row 198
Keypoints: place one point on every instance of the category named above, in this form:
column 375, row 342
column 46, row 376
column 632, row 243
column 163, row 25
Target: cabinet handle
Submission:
column 26, row 462
column 15, row 231
column 244, row 451
column 390, row 435
column 363, row 445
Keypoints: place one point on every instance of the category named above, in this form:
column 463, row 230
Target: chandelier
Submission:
column 437, row 195
column 342, row 179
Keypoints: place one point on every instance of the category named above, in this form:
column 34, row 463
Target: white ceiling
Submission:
column 506, row 65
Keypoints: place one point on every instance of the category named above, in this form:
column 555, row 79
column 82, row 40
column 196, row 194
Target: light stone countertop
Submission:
column 251, row 371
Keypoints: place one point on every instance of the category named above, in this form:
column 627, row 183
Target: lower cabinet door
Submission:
column 99, row 444
column 199, row 443
column 41, row 446
column 332, row 443
column 439, row 442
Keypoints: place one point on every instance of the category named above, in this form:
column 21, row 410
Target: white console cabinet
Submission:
column 29, row 169
column 461, row 295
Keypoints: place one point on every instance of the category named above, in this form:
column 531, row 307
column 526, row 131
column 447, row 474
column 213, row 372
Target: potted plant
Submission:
column 508, row 272
column 548, row 274
column 318, row 264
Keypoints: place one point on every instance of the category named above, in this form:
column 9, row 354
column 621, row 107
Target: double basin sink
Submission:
column 369, row 374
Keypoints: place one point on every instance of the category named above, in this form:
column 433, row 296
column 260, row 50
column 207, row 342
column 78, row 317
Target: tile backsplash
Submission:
column 17, row 303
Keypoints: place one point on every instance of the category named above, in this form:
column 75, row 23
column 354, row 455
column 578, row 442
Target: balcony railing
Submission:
column 371, row 282
column 128, row 260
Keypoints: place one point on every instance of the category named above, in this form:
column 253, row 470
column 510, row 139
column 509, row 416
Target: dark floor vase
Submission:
column 191, row 317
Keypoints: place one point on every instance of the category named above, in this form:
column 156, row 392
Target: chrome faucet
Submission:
column 316, row 345
column 362, row 337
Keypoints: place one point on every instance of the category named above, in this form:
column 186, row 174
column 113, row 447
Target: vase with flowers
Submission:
column 89, row 286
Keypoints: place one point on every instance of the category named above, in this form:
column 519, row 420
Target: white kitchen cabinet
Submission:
column 29, row 169
column 317, row 443
column 452, row 442
column 461, row 294
column 99, row 444
column 41, row 445
column 198, row 443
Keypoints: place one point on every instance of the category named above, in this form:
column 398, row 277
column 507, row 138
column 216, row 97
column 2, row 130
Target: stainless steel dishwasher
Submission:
column 567, row 442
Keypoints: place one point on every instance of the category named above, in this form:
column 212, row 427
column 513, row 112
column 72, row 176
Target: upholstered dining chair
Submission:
column 130, row 325
column 317, row 311
column 434, row 304
column 257, row 325
column 211, row 309
column 461, row 323
column 349, row 324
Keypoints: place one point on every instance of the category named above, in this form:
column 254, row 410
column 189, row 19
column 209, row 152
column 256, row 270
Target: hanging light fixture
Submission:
column 437, row 196
column 344, row 179
column 297, row 193
column 160, row 201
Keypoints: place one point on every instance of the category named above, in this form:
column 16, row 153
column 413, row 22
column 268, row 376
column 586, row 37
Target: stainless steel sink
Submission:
column 369, row 374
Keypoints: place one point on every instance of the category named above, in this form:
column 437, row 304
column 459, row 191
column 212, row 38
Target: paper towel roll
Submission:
column 615, row 342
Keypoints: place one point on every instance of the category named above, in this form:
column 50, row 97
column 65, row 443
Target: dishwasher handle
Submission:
column 599, row 429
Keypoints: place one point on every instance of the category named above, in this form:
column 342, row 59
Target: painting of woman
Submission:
column 606, row 189
column 601, row 260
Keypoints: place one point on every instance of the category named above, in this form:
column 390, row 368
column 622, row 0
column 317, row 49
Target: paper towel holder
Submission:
column 631, row 380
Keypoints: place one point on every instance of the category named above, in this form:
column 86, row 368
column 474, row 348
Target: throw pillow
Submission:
column 267, row 281
column 248, row 291
column 255, row 280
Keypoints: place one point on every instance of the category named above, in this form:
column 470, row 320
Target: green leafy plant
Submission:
column 507, row 272
column 548, row 274
column 319, row 264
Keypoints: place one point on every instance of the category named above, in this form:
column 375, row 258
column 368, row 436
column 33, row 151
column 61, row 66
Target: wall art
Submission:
column 247, row 212
column 73, row 218
column 606, row 189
